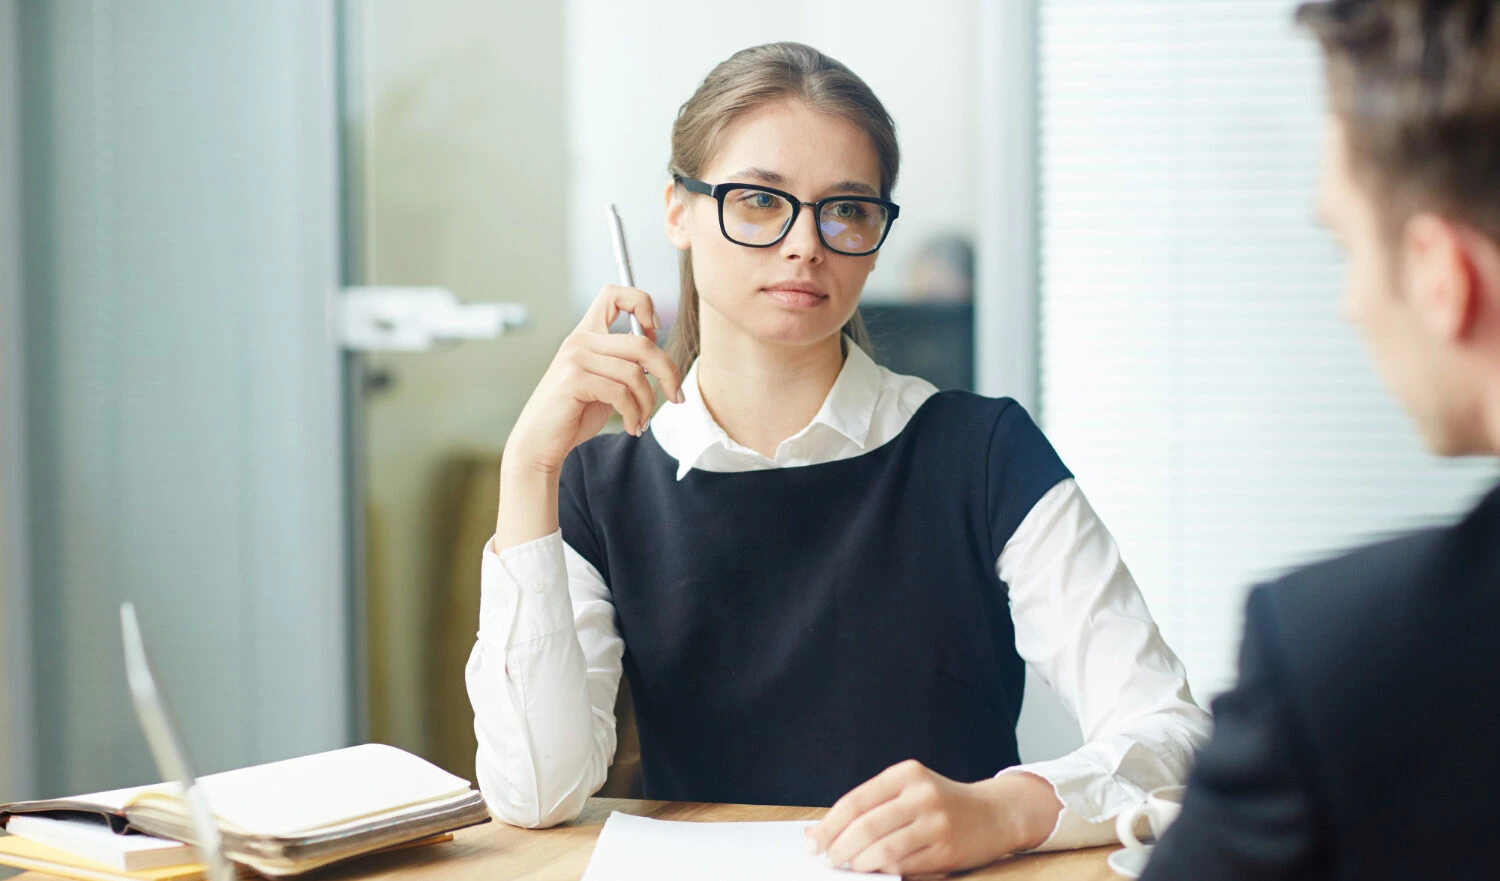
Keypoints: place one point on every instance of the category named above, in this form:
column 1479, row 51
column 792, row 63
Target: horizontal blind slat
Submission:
column 1195, row 373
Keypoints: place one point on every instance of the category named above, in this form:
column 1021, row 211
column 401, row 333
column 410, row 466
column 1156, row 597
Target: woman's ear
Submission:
column 676, row 218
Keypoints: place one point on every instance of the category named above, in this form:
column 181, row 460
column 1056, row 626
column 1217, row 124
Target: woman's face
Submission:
column 796, row 292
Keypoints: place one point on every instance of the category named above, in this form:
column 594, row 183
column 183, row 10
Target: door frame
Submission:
column 1007, row 297
column 1005, row 279
column 349, row 32
column 17, row 725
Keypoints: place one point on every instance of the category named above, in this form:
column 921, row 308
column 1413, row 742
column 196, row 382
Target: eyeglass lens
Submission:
column 757, row 217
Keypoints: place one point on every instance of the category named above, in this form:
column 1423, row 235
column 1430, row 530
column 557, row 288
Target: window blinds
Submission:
column 1195, row 372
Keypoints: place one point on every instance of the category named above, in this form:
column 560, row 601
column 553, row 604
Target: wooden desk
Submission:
column 496, row 852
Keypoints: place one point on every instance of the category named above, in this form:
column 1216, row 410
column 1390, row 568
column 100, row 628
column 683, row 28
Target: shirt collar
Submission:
column 688, row 430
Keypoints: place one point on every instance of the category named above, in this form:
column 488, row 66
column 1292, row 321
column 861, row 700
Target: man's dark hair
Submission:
column 1417, row 86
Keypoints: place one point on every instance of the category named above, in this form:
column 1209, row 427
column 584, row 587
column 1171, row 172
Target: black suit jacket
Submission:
column 1363, row 739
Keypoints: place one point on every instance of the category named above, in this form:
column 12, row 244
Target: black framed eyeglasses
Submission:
column 759, row 217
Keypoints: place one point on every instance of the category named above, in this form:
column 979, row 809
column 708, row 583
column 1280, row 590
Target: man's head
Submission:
column 1411, row 188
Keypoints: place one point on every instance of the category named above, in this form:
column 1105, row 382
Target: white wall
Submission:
column 632, row 64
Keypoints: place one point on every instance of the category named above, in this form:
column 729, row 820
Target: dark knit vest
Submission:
column 791, row 633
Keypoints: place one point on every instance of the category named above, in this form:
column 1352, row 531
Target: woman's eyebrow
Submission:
column 853, row 186
column 763, row 175
column 776, row 179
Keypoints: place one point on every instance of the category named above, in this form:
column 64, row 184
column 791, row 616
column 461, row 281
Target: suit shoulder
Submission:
column 1331, row 618
column 1395, row 564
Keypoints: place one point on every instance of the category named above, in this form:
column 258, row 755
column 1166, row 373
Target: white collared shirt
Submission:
column 547, row 664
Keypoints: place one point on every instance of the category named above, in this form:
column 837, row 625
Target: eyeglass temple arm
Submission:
column 693, row 185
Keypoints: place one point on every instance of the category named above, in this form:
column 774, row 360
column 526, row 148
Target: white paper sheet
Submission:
column 641, row 849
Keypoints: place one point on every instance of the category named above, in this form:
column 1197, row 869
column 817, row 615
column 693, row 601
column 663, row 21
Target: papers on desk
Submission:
column 641, row 849
column 28, row 855
column 288, row 817
column 91, row 838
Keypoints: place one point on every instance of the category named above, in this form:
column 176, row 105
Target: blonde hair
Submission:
column 754, row 78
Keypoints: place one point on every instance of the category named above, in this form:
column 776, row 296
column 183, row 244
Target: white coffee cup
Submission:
column 1161, row 807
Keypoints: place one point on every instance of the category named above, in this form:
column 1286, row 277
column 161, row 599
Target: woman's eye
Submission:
column 848, row 211
column 760, row 200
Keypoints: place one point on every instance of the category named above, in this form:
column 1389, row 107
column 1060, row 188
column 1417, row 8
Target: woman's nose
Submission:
column 802, row 240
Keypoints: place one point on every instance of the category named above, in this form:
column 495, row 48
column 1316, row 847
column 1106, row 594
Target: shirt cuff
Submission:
column 523, row 591
column 1091, row 798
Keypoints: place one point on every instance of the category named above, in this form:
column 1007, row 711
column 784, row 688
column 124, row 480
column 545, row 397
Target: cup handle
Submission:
column 1125, row 826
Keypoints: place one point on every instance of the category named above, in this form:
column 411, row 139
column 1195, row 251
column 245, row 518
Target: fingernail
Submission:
column 681, row 397
column 812, row 846
column 645, row 426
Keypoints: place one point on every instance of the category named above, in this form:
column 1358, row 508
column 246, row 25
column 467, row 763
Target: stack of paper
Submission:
column 22, row 853
column 91, row 838
column 641, row 849
column 289, row 817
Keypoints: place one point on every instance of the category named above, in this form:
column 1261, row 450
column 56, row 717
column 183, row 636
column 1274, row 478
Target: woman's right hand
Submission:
column 595, row 372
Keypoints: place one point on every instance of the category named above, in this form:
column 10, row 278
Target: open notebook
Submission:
column 288, row 817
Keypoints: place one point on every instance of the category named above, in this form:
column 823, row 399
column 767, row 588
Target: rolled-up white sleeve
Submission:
column 542, row 679
column 1082, row 624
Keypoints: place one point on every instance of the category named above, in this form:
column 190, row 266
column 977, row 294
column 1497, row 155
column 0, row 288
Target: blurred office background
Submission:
column 1106, row 213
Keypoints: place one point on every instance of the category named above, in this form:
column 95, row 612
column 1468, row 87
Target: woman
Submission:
column 823, row 579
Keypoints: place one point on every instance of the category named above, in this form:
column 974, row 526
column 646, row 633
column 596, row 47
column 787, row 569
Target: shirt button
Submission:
column 536, row 586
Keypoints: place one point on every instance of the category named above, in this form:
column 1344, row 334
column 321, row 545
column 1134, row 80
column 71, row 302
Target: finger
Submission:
column 891, row 852
column 594, row 387
column 880, row 789
column 869, row 828
column 649, row 332
column 928, row 859
column 645, row 353
column 628, row 374
column 614, row 299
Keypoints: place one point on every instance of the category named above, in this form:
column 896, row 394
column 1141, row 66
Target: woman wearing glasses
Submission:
column 824, row 580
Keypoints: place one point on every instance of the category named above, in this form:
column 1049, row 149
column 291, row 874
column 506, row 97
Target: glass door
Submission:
column 455, row 150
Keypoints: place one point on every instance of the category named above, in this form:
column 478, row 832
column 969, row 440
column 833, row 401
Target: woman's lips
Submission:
column 796, row 296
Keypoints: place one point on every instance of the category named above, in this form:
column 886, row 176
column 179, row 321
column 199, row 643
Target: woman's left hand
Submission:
column 910, row 820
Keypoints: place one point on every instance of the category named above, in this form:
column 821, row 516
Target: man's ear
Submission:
column 1482, row 256
column 1440, row 275
column 676, row 218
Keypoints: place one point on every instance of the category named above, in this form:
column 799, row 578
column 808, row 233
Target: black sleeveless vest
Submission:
column 791, row 633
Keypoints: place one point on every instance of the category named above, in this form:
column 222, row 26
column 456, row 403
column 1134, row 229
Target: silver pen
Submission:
column 622, row 259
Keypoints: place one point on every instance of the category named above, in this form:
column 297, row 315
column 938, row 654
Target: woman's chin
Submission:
column 798, row 332
column 783, row 327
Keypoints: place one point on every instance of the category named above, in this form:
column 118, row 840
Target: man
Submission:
column 1363, row 739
